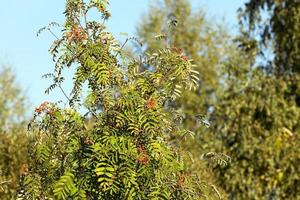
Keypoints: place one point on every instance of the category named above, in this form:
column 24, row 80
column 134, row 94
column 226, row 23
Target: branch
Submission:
column 52, row 33
column 122, row 46
column 68, row 98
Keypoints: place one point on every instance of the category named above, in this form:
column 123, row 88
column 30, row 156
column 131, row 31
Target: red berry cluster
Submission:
column 179, row 51
column 143, row 159
column 151, row 103
column 76, row 34
column 180, row 180
column 184, row 58
column 24, row 169
column 44, row 108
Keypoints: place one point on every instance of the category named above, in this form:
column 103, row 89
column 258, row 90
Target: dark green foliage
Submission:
column 256, row 118
column 124, row 154
column 257, row 122
column 275, row 24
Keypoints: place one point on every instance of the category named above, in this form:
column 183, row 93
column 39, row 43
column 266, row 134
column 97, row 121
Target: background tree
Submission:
column 12, row 100
column 256, row 119
column 274, row 25
column 256, row 123
column 13, row 138
column 125, row 154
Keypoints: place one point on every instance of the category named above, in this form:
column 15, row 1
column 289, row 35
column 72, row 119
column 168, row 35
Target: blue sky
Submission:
column 28, row 55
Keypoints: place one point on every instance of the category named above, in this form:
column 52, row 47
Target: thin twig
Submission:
column 53, row 33
column 95, row 115
column 64, row 92
column 123, row 45
column 85, row 18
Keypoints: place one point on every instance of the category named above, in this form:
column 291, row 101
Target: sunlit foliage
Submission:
column 125, row 154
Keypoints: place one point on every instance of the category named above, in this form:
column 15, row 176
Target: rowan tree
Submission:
column 125, row 154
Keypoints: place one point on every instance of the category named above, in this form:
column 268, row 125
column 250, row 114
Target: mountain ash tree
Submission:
column 125, row 154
